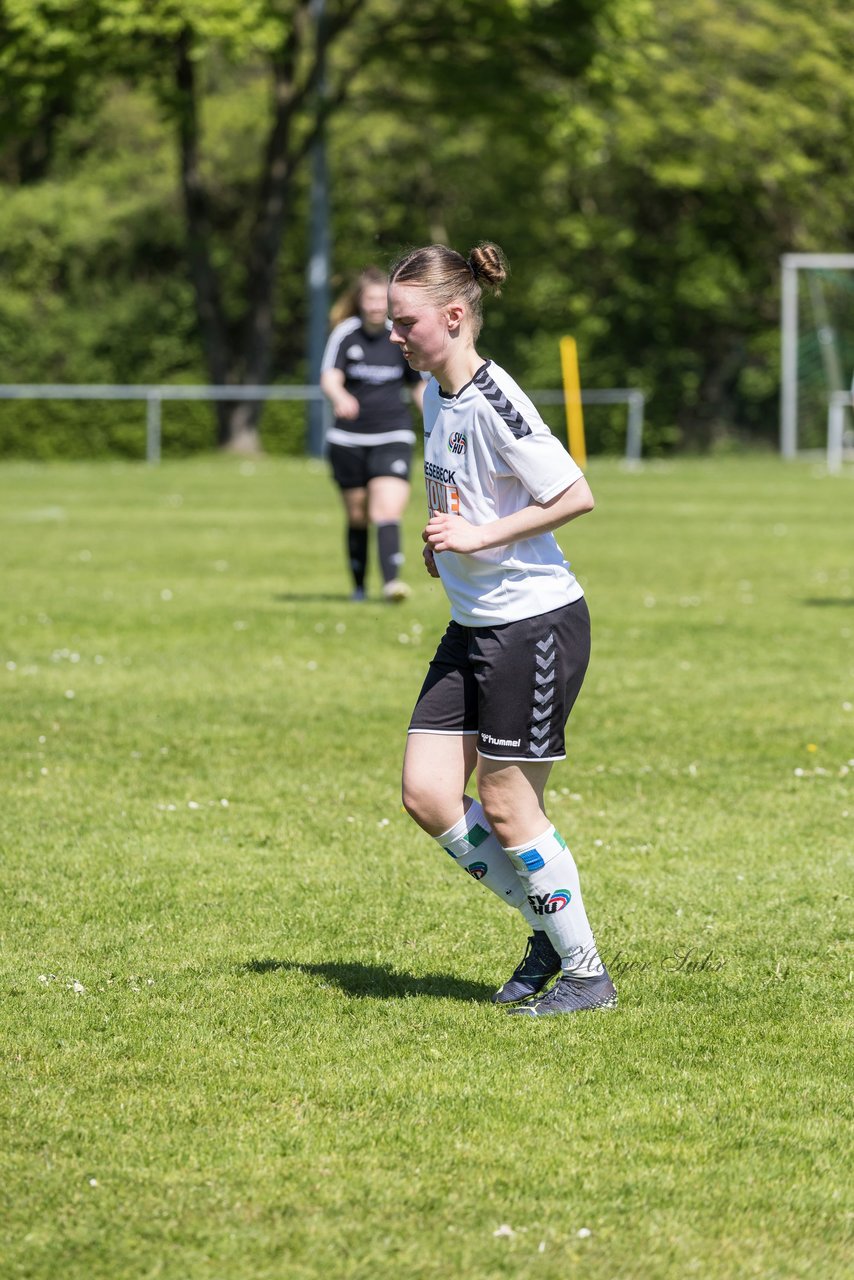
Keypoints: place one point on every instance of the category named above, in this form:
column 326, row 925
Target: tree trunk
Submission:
column 713, row 420
column 242, row 434
column 251, row 364
column 267, row 235
column 209, row 309
column 35, row 151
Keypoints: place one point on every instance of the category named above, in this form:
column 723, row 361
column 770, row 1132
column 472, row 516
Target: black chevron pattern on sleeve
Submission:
column 501, row 404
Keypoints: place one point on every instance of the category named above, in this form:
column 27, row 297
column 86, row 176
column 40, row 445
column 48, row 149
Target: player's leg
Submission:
column 348, row 470
column 512, row 796
column 440, row 758
column 388, row 494
column 436, row 771
column 356, row 506
column 529, row 674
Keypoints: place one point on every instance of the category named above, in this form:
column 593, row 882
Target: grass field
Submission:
column 246, row 1023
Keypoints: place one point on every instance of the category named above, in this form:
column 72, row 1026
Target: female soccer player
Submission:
column 500, row 688
column 370, row 445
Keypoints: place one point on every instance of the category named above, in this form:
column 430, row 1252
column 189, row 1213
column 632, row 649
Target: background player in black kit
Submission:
column 370, row 445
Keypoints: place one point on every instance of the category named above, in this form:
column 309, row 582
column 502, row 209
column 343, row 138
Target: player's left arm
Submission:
column 445, row 532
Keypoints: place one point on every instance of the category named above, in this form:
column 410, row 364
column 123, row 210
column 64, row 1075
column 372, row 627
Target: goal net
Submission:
column 817, row 347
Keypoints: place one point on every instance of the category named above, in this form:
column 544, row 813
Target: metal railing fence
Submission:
column 634, row 400
column 154, row 395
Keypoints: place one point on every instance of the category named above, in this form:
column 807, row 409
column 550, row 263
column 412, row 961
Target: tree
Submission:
column 696, row 154
column 644, row 171
column 486, row 55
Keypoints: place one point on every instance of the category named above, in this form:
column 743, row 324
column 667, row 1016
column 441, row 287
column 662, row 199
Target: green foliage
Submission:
column 721, row 146
column 280, row 1061
column 59, row 429
column 643, row 166
column 97, row 289
column 644, row 206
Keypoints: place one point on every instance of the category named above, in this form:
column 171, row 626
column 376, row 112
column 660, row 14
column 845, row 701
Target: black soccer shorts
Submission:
column 513, row 685
column 354, row 465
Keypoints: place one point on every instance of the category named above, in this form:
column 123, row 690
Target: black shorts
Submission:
column 513, row 685
column 354, row 465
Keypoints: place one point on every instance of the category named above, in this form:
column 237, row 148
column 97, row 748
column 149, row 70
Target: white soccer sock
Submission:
column 474, row 847
column 547, row 870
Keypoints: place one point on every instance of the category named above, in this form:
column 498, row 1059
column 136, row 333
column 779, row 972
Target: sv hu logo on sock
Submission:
column 477, row 869
column 546, row 904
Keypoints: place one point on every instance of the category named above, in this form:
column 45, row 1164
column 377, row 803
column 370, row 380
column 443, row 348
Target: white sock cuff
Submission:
column 529, row 844
column 535, row 854
column 456, row 841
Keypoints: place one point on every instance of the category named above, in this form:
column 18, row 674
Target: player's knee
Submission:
column 495, row 804
column 508, row 819
column 417, row 801
column 502, row 824
column 424, row 806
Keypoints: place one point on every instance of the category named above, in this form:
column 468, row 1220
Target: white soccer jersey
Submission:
column 487, row 454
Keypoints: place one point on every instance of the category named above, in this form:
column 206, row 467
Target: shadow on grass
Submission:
column 825, row 602
column 361, row 980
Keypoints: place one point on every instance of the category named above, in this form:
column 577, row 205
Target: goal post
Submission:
column 817, row 341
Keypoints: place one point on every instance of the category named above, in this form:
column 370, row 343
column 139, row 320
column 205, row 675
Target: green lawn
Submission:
column 246, row 1023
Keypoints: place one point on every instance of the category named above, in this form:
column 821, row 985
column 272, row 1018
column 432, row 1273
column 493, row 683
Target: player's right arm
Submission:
column 344, row 405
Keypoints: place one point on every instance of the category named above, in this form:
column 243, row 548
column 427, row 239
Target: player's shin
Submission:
column 474, row 847
column 548, row 873
column 388, row 545
column 357, row 554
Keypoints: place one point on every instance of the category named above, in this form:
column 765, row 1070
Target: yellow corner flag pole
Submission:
column 572, row 397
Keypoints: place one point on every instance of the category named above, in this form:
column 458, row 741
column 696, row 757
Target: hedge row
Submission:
column 55, row 429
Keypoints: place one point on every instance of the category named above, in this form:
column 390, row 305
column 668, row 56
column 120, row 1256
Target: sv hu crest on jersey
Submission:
column 457, row 442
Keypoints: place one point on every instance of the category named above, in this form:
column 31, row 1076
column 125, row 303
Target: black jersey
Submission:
column 374, row 372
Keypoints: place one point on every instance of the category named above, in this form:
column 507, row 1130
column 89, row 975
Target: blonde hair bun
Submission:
column 489, row 266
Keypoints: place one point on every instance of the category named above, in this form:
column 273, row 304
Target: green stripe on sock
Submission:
column 477, row 835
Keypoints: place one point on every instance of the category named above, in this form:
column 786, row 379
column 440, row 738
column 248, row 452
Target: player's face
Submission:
column 418, row 326
column 373, row 306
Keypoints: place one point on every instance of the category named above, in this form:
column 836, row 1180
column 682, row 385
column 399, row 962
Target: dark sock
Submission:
column 391, row 557
column 357, row 550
